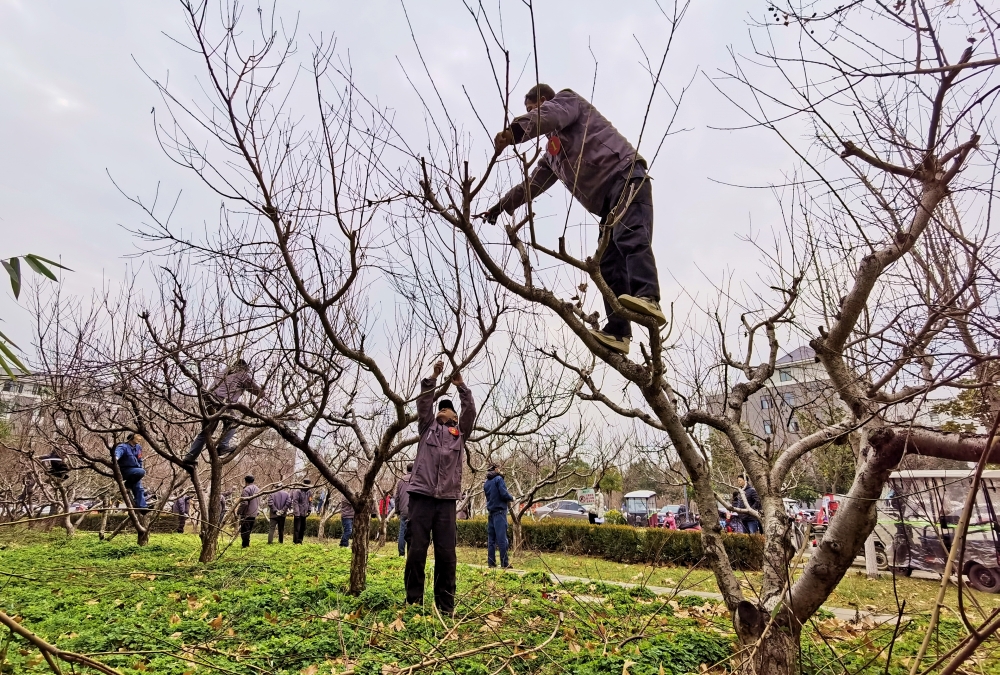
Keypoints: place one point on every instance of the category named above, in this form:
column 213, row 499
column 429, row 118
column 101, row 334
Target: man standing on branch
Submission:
column 228, row 390
column 608, row 177
column 435, row 487
column 129, row 457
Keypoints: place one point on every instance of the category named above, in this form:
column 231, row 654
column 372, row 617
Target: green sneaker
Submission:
column 645, row 306
column 619, row 344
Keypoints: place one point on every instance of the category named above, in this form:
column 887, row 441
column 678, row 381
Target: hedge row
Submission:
column 622, row 543
column 619, row 543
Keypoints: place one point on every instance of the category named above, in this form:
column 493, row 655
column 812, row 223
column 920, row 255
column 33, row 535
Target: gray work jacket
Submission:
column 437, row 469
column 584, row 151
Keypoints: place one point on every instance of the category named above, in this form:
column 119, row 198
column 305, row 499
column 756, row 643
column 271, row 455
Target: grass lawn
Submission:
column 283, row 610
column 855, row 590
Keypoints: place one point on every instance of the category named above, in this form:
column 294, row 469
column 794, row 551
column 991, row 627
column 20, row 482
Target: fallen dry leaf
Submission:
column 174, row 620
column 310, row 670
column 216, row 623
column 628, row 664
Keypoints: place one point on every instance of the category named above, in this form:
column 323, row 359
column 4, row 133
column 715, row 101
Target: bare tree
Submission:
column 911, row 145
column 347, row 303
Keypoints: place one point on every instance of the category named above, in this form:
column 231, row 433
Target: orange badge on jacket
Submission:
column 454, row 431
column 554, row 146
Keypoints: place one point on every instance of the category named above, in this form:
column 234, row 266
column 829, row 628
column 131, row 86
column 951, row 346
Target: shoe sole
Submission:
column 628, row 302
column 616, row 346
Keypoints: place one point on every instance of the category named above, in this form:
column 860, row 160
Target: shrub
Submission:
column 614, row 517
column 618, row 543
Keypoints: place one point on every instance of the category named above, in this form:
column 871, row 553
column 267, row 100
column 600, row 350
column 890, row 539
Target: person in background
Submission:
column 227, row 390
column 435, row 487
column 669, row 521
column 248, row 509
column 403, row 508
column 321, row 495
column 300, row 510
column 750, row 523
column 277, row 506
column 346, row 520
column 385, row 505
column 498, row 500
column 180, row 508
column 128, row 455
column 55, row 466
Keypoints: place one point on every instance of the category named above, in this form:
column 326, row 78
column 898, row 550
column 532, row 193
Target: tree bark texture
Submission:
column 360, row 544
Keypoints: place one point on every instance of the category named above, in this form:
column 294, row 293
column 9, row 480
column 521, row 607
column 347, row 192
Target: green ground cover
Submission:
column 283, row 610
column 854, row 591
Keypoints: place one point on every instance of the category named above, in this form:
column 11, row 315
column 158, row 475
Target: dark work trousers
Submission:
column 496, row 538
column 345, row 536
column 628, row 264
column 246, row 527
column 298, row 529
column 430, row 517
column 277, row 523
column 132, row 477
column 228, row 433
column 181, row 519
column 401, row 540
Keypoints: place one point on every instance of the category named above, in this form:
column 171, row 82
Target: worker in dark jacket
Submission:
column 346, row 521
column 608, row 177
column 180, row 508
column 435, row 486
column 248, row 509
column 300, row 510
column 55, row 466
column 277, row 507
column 128, row 455
column 227, row 390
column 497, row 501
column 750, row 523
column 403, row 508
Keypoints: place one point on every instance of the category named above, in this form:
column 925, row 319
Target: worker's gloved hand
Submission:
column 502, row 140
column 493, row 213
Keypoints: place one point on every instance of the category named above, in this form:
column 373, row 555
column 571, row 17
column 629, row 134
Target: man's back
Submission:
column 279, row 502
column 251, row 501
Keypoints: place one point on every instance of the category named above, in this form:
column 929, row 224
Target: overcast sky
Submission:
column 75, row 115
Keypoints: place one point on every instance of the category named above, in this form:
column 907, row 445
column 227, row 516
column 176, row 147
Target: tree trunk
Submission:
column 517, row 540
column 105, row 509
column 208, row 530
column 321, row 531
column 209, row 545
column 142, row 536
column 359, row 546
column 769, row 646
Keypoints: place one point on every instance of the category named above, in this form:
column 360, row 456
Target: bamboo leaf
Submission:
column 37, row 265
column 13, row 267
column 5, row 351
column 47, row 261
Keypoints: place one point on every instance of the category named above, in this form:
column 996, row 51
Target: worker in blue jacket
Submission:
column 128, row 455
column 497, row 500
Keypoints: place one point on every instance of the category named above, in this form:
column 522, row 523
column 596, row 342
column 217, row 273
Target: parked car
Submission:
column 565, row 508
